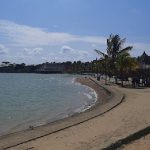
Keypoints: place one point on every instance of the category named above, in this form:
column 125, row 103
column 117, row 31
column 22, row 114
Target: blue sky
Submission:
column 36, row 31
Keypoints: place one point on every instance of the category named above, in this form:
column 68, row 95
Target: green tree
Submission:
column 113, row 50
column 125, row 64
column 115, row 46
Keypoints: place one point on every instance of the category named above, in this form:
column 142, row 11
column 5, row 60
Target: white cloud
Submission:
column 66, row 49
column 23, row 35
column 34, row 51
column 71, row 54
column 40, row 41
column 69, row 50
column 3, row 49
column 67, row 53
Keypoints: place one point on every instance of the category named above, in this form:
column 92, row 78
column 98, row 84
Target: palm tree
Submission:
column 114, row 48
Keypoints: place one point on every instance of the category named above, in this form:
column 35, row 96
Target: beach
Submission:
column 103, row 104
column 111, row 119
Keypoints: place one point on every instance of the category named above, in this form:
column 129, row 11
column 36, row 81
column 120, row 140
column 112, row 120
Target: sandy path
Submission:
column 129, row 117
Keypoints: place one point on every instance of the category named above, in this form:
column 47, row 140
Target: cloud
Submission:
column 66, row 49
column 71, row 54
column 69, row 50
column 67, row 53
column 23, row 35
column 34, row 51
column 23, row 40
column 3, row 49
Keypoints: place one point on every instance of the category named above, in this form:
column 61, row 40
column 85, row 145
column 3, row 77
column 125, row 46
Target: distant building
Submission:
column 51, row 68
column 144, row 61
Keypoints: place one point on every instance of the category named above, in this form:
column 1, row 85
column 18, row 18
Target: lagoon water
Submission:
column 36, row 99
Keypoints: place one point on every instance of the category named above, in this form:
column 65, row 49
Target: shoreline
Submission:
column 95, row 99
column 74, row 112
column 103, row 104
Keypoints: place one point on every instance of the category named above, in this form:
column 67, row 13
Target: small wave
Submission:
column 84, row 108
column 88, row 95
column 91, row 93
column 78, row 110
column 73, row 80
column 88, row 107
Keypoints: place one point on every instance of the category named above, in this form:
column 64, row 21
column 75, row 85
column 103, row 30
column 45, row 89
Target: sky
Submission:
column 37, row 31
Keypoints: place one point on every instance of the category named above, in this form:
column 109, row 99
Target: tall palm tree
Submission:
column 114, row 48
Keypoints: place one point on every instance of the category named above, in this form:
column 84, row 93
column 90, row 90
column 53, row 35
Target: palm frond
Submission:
column 100, row 53
column 125, row 49
column 122, row 41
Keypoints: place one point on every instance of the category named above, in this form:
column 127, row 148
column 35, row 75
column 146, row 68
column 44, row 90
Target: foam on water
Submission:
column 73, row 80
column 89, row 96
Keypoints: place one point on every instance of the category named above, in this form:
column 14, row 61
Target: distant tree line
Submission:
column 69, row 67
column 7, row 67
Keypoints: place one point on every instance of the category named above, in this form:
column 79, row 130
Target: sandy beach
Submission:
column 93, row 130
column 105, row 101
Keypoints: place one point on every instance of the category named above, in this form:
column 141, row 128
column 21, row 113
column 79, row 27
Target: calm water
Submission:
column 35, row 99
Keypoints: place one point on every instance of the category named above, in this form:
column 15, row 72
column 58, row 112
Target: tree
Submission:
column 125, row 64
column 105, row 59
column 114, row 48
